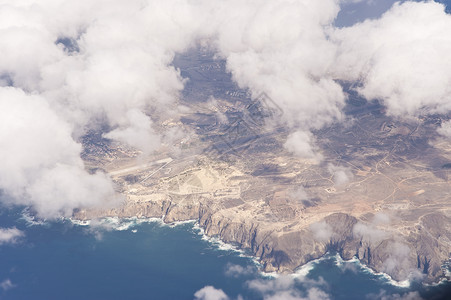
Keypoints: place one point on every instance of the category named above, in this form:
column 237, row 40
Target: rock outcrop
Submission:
column 380, row 195
column 284, row 249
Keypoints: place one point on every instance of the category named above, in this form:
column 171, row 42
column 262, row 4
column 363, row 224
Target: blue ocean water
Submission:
column 127, row 260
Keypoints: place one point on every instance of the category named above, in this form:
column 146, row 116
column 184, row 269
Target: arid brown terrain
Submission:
column 381, row 190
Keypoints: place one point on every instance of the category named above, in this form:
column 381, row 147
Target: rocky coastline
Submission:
column 284, row 251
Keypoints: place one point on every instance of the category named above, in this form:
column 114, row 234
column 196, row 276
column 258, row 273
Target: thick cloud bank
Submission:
column 280, row 47
column 291, row 51
column 41, row 162
column 403, row 58
column 69, row 66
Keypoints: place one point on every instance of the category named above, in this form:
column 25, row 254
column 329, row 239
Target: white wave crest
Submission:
column 403, row 284
column 30, row 219
column 115, row 223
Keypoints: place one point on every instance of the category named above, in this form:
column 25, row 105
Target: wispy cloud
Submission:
column 233, row 270
column 7, row 284
column 10, row 235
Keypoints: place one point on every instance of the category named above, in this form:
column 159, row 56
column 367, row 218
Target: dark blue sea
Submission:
column 133, row 259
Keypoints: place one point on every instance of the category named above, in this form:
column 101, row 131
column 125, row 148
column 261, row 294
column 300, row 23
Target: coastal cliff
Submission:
column 386, row 203
column 284, row 249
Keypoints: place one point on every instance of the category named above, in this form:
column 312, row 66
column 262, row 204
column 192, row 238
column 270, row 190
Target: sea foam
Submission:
column 403, row 284
column 122, row 224
column 30, row 219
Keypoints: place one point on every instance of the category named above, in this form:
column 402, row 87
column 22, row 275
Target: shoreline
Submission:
column 122, row 224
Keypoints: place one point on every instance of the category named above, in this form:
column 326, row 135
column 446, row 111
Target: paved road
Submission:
column 140, row 167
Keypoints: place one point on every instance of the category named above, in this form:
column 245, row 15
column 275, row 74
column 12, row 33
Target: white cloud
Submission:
column 302, row 144
column 398, row 259
column 277, row 284
column 445, row 129
column 120, row 73
column 233, row 270
column 10, row 235
column 340, row 175
column 137, row 133
column 403, row 58
column 41, row 162
column 298, row 194
column 210, row 293
column 288, row 287
column 7, row 285
column 369, row 233
column 123, row 63
column 312, row 294
column 322, row 231
column 406, row 296
column 292, row 52
column 280, row 48
column 381, row 219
